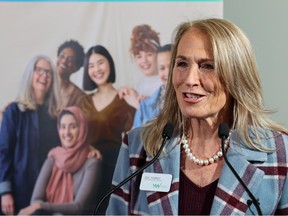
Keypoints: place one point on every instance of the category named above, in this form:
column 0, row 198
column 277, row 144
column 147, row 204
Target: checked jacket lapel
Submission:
column 162, row 203
column 231, row 197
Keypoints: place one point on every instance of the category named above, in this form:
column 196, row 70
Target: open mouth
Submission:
column 145, row 66
column 193, row 96
column 98, row 75
column 62, row 66
column 41, row 82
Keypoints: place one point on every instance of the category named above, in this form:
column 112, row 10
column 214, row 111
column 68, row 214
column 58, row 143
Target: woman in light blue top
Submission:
column 151, row 106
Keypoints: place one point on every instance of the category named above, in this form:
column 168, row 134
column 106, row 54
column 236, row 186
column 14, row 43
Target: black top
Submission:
column 48, row 133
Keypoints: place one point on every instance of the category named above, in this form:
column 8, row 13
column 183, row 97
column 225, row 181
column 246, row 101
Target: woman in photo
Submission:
column 108, row 115
column 28, row 132
column 150, row 107
column 70, row 58
column 145, row 43
column 68, row 181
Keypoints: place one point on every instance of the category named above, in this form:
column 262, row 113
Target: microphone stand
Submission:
column 166, row 136
column 254, row 200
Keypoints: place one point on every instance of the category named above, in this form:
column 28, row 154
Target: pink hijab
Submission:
column 67, row 161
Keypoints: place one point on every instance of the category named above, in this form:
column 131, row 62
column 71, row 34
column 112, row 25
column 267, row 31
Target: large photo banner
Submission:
column 73, row 76
column 31, row 28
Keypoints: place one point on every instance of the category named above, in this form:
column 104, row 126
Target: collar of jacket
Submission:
column 230, row 196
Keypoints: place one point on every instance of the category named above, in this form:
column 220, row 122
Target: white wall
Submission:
column 265, row 23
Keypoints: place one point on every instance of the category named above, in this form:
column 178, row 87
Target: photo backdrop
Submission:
column 30, row 28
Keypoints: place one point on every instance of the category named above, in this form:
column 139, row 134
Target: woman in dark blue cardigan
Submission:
column 28, row 132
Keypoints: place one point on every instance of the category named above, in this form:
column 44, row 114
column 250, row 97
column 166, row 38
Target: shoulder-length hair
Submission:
column 88, row 84
column 26, row 96
column 236, row 69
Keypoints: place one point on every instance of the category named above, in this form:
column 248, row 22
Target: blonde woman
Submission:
column 213, row 79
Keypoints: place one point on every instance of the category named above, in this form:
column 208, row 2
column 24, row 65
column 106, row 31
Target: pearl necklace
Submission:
column 207, row 161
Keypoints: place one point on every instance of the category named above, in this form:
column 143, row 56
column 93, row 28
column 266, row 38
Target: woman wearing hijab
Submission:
column 68, row 179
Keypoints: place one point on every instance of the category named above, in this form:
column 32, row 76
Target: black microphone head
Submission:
column 223, row 130
column 168, row 130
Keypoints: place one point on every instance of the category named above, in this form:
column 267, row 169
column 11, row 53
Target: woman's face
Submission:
column 66, row 62
column 42, row 77
column 98, row 69
column 68, row 131
column 147, row 62
column 194, row 78
column 163, row 62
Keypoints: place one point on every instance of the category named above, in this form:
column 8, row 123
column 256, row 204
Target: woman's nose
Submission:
column 95, row 68
column 66, row 131
column 193, row 76
column 144, row 59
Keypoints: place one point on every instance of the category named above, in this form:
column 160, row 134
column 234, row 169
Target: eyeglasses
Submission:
column 41, row 71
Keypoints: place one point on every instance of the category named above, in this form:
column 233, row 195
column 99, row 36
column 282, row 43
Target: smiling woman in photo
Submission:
column 108, row 115
column 28, row 132
column 69, row 179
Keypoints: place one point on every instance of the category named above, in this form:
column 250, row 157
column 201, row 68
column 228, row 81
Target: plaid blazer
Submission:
column 265, row 174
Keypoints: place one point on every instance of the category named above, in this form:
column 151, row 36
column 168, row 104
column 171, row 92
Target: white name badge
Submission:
column 155, row 182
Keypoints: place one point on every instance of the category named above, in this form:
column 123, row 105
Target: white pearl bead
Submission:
column 219, row 153
column 201, row 162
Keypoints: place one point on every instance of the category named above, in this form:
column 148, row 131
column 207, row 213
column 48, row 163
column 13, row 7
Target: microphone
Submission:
column 223, row 133
column 166, row 135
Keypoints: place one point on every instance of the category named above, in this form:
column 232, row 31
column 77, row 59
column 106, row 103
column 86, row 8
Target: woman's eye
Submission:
column 181, row 64
column 138, row 56
column 206, row 66
column 70, row 59
column 74, row 126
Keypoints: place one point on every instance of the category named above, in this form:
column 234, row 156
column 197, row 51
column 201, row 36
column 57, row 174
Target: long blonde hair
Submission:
column 25, row 96
column 236, row 68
